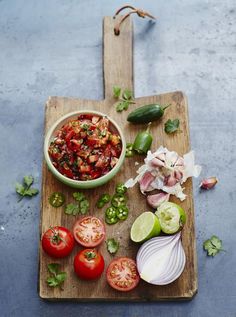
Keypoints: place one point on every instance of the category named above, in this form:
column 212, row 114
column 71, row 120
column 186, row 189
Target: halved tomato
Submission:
column 122, row 274
column 89, row 231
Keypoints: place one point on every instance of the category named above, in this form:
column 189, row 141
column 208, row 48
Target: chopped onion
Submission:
column 161, row 260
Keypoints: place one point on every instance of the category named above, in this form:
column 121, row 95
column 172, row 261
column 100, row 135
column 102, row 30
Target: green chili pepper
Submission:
column 111, row 215
column 118, row 200
column 122, row 212
column 57, row 199
column 143, row 141
column 121, row 188
column 129, row 150
column 103, row 199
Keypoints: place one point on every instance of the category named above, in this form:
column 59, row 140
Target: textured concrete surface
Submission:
column 55, row 48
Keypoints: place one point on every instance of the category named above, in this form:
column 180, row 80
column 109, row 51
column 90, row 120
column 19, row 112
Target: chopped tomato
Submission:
column 122, row 274
column 85, row 148
column 89, row 231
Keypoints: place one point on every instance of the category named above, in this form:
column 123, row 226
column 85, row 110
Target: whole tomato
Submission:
column 58, row 242
column 88, row 264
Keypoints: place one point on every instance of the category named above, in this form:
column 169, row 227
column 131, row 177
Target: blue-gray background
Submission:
column 55, row 48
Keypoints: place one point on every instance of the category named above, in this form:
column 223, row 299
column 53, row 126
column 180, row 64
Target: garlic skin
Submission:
column 208, row 183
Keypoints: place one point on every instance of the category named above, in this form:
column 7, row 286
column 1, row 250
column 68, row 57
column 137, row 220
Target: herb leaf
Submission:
column 78, row 196
column 213, row 246
column 112, row 246
column 116, row 91
column 127, row 94
column 31, row 192
column 72, row 209
column 171, row 125
column 58, row 277
column 53, row 268
column 28, row 180
column 24, row 189
column 123, row 105
column 84, row 206
column 20, row 189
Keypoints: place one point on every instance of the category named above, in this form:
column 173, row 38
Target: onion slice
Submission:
column 161, row 260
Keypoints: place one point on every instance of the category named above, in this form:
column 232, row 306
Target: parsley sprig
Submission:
column 125, row 98
column 57, row 277
column 25, row 188
column 81, row 207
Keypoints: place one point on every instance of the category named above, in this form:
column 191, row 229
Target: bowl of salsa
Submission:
column 84, row 149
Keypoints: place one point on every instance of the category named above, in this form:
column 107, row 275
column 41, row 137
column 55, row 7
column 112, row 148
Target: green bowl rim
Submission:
column 68, row 180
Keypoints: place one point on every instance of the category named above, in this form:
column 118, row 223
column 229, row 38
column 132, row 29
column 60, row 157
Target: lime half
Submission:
column 171, row 216
column 145, row 227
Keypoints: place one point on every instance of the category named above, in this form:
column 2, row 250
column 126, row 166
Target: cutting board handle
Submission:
column 117, row 56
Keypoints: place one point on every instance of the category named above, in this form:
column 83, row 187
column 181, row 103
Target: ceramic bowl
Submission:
column 113, row 126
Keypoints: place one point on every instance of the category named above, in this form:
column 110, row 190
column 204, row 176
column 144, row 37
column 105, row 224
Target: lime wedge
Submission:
column 171, row 216
column 145, row 227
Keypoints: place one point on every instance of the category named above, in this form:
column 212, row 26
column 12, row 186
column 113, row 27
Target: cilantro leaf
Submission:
column 24, row 189
column 28, row 180
column 52, row 281
column 116, row 91
column 78, row 196
column 127, row 94
column 84, row 206
column 213, row 246
column 31, row 192
column 171, row 125
column 53, row 268
column 58, row 277
column 72, row 209
column 112, row 246
column 20, row 189
column 123, row 105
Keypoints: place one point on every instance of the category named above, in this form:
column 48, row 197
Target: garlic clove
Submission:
column 170, row 180
column 146, row 181
column 157, row 199
column 157, row 163
column 208, row 183
column 178, row 175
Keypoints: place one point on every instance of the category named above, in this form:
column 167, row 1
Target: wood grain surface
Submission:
column 118, row 70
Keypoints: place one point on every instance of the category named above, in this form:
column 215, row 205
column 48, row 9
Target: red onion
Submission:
column 161, row 260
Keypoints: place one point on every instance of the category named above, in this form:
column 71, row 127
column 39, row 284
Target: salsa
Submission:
column 85, row 148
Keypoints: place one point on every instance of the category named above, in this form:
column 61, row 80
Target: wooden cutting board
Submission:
column 118, row 70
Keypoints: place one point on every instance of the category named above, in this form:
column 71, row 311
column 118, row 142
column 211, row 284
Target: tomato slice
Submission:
column 89, row 231
column 122, row 274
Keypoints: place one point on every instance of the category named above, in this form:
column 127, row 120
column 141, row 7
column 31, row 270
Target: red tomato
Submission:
column 58, row 242
column 89, row 231
column 88, row 264
column 122, row 274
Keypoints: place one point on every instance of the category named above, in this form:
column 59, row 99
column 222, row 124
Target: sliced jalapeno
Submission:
column 121, row 188
column 111, row 212
column 118, row 200
column 129, row 150
column 122, row 212
column 111, row 221
column 57, row 199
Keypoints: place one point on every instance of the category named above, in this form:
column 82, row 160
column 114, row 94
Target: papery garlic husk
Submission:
column 208, row 183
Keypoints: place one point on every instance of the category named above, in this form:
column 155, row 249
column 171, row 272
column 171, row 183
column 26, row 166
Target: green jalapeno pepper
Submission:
column 111, row 215
column 121, row 188
column 122, row 212
column 57, row 199
column 118, row 200
column 143, row 141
